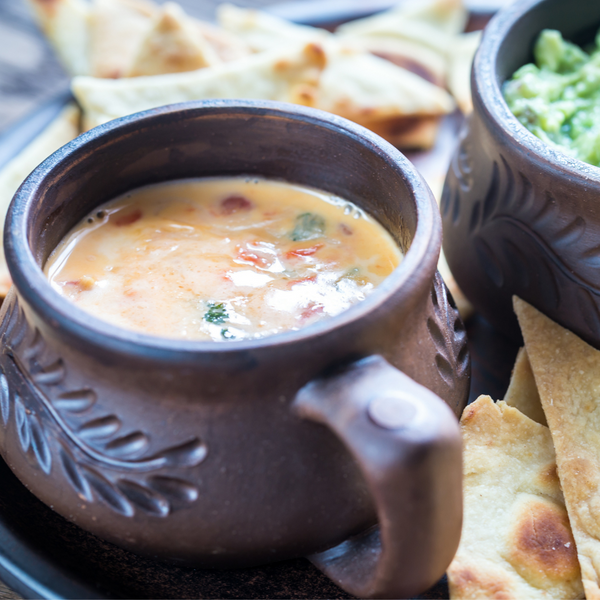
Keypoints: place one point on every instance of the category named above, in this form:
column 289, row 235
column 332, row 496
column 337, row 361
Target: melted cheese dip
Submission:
column 222, row 259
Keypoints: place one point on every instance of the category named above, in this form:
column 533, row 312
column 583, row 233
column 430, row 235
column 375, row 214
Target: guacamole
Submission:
column 558, row 97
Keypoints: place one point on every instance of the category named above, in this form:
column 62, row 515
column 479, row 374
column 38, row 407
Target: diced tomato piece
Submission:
column 311, row 311
column 303, row 280
column 303, row 251
column 253, row 258
column 234, row 204
column 127, row 219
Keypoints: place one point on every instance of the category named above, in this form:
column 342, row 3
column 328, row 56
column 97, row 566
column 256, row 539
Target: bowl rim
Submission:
column 59, row 313
column 489, row 102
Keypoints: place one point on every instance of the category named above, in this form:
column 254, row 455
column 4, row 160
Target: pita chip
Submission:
column 117, row 28
column 291, row 76
column 172, row 45
column 522, row 391
column 465, row 308
column 227, row 46
column 460, row 60
column 431, row 24
column 263, row 32
column 65, row 24
column 516, row 540
column 63, row 129
column 421, row 60
column 449, row 16
column 386, row 98
column 393, row 102
column 567, row 374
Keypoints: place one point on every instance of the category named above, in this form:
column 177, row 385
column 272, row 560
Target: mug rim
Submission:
column 58, row 312
column 489, row 101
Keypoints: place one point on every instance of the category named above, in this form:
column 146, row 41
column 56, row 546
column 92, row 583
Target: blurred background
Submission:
column 29, row 71
column 30, row 74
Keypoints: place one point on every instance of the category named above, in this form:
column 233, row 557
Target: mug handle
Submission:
column 407, row 443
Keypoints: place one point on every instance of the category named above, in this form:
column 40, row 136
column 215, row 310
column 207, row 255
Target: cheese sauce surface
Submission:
column 222, row 258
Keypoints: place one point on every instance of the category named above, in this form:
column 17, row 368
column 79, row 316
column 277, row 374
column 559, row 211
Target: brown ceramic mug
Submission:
column 331, row 442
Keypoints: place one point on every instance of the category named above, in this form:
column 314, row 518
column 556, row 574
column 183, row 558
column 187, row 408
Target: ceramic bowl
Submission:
column 239, row 453
column 520, row 217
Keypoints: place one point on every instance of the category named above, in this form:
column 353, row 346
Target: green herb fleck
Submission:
column 216, row 313
column 308, row 227
column 226, row 334
column 351, row 274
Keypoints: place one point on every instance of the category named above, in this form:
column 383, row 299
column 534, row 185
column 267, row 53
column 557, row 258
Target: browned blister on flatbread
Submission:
column 567, row 374
column 516, row 540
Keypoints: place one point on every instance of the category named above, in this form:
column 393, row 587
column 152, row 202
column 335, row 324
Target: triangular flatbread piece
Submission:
column 522, row 391
column 432, row 24
column 263, row 32
column 465, row 308
column 117, row 28
column 460, row 60
column 391, row 101
column 449, row 16
column 291, row 76
column 228, row 46
column 567, row 374
column 516, row 541
column 421, row 60
column 172, row 45
column 65, row 24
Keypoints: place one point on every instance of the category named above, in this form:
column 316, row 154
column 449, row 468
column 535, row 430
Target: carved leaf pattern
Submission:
column 156, row 496
column 462, row 169
column 452, row 357
column 32, row 436
column 94, row 474
column 521, row 241
column 75, row 401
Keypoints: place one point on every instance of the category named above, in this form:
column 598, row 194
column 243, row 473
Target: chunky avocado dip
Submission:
column 558, row 97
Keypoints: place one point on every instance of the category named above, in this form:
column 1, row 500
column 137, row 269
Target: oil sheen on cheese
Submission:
column 222, row 259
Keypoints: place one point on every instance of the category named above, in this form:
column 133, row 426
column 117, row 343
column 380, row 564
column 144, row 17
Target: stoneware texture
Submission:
column 235, row 454
column 519, row 216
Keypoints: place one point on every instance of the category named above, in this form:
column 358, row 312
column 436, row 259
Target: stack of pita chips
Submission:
column 532, row 493
column 125, row 38
column 142, row 46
